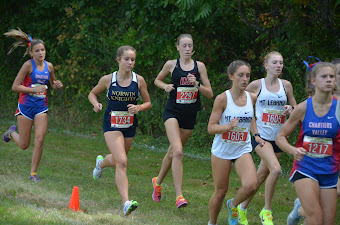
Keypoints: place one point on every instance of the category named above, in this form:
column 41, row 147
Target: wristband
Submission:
column 138, row 108
column 34, row 90
column 257, row 134
column 198, row 85
column 292, row 107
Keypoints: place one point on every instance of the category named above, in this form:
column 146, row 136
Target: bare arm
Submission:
column 253, row 126
column 288, row 127
column 56, row 84
column 166, row 70
column 290, row 96
column 17, row 86
column 204, row 88
column 219, row 106
column 254, row 87
column 145, row 96
column 102, row 85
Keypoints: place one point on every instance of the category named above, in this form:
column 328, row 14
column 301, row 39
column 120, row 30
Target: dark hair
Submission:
column 235, row 65
column 122, row 49
column 23, row 40
column 183, row 36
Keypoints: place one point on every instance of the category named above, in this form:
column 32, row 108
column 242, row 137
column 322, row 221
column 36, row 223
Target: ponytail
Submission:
column 23, row 40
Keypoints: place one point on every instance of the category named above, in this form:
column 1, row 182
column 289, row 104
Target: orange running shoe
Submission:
column 181, row 202
column 157, row 191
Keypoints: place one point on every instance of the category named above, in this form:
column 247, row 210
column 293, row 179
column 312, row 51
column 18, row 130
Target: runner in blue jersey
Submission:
column 316, row 165
column 31, row 82
column 180, row 111
column 123, row 89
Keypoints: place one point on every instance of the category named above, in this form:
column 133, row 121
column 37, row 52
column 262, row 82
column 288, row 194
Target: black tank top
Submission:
column 185, row 97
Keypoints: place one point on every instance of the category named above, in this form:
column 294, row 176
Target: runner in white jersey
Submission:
column 271, row 110
column 231, row 119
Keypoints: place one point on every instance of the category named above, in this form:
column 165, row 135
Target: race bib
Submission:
column 121, row 119
column 238, row 135
column 186, row 95
column 39, row 94
column 318, row 147
column 273, row 118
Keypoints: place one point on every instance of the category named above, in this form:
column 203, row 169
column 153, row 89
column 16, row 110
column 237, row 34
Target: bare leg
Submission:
column 22, row 139
column 245, row 169
column 269, row 170
column 221, row 171
column 173, row 158
column 40, row 128
column 119, row 147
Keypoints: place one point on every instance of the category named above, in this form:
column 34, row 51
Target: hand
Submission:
column 233, row 123
column 133, row 109
column 97, row 107
column 288, row 109
column 260, row 141
column 169, row 88
column 299, row 153
column 57, row 84
column 192, row 79
column 40, row 89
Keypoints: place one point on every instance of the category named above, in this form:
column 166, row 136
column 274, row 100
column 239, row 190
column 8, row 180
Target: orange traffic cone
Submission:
column 74, row 201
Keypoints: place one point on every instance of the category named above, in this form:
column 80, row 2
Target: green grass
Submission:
column 68, row 160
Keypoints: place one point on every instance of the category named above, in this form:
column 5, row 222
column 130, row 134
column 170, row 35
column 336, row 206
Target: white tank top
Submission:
column 236, row 142
column 269, row 110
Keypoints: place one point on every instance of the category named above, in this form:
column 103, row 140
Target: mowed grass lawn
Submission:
column 68, row 160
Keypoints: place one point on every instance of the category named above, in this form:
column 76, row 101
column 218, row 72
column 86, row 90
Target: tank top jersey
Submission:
column 269, row 110
column 320, row 137
column 116, row 114
column 185, row 97
column 35, row 79
column 236, row 142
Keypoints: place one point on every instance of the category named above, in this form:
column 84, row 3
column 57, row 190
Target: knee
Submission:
column 177, row 153
column 220, row 194
column 24, row 146
column 121, row 163
column 276, row 172
column 250, row 188
column 39, row 139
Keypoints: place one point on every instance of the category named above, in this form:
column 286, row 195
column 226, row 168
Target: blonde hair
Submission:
column 266, row 58
column 23, row 40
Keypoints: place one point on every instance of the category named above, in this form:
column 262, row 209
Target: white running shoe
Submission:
column 293, row 217
column 129, row 206
column 97, row 172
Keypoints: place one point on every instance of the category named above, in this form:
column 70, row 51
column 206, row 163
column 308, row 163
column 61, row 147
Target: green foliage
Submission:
column 81, row 38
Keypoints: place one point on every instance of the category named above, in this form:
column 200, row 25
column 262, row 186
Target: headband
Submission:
column 310, row 66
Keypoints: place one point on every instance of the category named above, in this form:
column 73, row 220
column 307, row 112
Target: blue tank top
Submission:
column 320, row 137
column 185, row 97
column 116, row 114
column 36, row 78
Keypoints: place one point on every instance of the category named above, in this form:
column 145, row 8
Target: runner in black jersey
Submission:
column 181, row 109
column 123, row 88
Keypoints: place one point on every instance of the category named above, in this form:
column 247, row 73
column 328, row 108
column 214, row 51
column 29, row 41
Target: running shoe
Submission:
column 34, row 177
column 232, row 214
column 293, row 217
column 181, row 202
column 242, row 216
column 157, row 190
column 266, row 217
column 7, row 135
column 129, row 206
column 97, row 172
